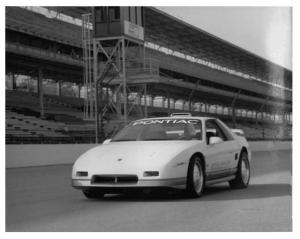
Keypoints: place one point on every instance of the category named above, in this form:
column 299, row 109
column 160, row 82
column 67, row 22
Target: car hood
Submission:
column 119, row 157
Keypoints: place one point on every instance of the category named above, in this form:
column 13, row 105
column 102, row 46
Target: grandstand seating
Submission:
column 53, row 106
column 63, row 119
column 64, row 123
column 22, row 128
column 22, row 125
column 264, row 131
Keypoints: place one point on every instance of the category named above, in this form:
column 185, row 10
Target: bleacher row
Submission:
column 63, row 121
column 19, row 124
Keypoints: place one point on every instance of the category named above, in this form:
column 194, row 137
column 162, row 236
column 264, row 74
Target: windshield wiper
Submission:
column 121, row 140
column 153, row 139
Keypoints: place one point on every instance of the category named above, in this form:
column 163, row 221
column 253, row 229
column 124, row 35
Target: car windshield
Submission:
column 161, row 129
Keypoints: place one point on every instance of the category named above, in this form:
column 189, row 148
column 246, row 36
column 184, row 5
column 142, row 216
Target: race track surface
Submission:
column 41, row 199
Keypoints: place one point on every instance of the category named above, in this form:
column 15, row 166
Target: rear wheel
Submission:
column 195, row 178
column 93, row 193
column 243, row 174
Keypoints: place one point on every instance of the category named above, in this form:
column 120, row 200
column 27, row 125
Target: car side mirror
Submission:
column 106, row 141
column 215, row 140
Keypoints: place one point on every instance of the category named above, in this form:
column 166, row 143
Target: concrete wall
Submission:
column 270, row 145
column 51, row 154
column 43, row 154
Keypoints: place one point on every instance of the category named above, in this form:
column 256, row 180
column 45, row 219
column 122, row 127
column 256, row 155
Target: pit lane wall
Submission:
column 52, row 154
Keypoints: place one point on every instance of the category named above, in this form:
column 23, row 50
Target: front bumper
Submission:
column 142, row 183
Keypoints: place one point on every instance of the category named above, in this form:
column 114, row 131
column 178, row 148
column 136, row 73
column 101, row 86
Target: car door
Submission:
column 233, row 146
column 219, row 156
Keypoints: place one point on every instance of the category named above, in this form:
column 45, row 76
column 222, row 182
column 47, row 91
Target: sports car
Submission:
column 180, row 151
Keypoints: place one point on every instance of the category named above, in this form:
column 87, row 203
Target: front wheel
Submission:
column 243, row 174
column 195, row 178
column 93, row 193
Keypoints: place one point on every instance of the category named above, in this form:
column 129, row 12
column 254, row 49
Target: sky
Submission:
column 265, row 31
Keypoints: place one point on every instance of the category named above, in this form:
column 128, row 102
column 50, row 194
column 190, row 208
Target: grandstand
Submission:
column 184, row 69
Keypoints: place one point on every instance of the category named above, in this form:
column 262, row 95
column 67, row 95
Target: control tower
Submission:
column 114, row 58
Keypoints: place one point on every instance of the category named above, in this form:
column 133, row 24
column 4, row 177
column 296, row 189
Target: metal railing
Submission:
column 138, row 66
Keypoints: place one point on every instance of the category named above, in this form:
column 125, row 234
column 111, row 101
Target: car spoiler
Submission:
column 238, row 132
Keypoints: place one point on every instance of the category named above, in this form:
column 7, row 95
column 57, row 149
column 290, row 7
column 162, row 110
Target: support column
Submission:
column 27, row 84
column 174, row 103
column 58, row 88
column 14, row 84
column 138, row 99
column 124, row 81
column 169, row 106
column 256, row 117
column 95, row 72
column 285, row 117
column 145, row 101
column 41, row 92
column 233, row 116
column 151, row 100
column 79, row 89
column 118, row 104
column 190, row 106
column 163, row 99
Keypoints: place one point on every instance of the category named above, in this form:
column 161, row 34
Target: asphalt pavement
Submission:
column 42, row 199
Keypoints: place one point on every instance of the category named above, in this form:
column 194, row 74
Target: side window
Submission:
column 214, row 130
column 225, row 130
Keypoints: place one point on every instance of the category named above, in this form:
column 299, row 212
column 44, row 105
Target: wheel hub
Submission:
column 245, row 171
column 197, row 178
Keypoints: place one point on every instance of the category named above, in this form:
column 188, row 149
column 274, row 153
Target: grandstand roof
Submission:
column 166, row 30
column 35, row 24
column 75, row 12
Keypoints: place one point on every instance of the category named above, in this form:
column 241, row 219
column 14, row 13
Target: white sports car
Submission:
column 180, row 151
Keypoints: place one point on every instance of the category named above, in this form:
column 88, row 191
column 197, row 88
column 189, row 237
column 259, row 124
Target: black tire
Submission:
column 192, row 188
column 241, row 180
column 93, row 193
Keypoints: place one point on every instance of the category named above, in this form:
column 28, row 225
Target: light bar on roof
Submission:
column 181, row 114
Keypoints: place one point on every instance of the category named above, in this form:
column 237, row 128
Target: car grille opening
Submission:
column 114, row 179
column 81, row 173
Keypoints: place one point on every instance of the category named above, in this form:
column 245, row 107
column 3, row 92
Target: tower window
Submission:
column 114, row 13
column 100, row 14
